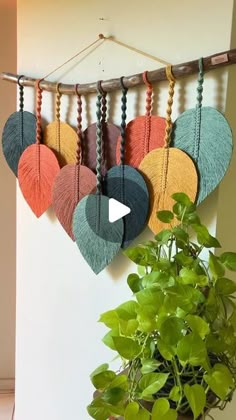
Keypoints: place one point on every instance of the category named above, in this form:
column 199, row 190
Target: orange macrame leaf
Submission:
column 37, row 170
column 143, row 134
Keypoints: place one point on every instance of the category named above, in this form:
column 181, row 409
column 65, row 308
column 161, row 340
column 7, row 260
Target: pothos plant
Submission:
column 177, row 336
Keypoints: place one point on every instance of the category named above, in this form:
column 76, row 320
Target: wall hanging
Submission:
column 98, row 239
column 144, row 133
column 60, row 137
column 203, row 133
column 73, row 181
column 18, row 132
column 206, row 136
column 167, row 170
column 126, row 185
column 38, row 167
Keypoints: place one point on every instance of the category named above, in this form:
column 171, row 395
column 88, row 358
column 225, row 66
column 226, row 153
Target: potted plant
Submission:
column 177, row 336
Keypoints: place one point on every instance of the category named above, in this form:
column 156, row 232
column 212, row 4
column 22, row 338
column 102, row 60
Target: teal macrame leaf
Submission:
column 18, row 133
column 211, row 150
column 126, row 184
column 98, row 239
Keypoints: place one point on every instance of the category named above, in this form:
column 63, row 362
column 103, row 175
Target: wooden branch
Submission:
column 179, row 70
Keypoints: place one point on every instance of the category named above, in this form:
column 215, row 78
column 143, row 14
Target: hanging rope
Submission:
column 79, row 128
column 123, row 121
column 149, row 102
column 171, row 79
column 167, row 139
column 197, row 131
column 99, row 143
column 21, row 94
column 38, row 111
column 58, row 117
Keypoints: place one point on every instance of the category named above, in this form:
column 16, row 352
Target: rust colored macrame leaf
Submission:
column 143, row 134
column 71, row 184
column 37, row 169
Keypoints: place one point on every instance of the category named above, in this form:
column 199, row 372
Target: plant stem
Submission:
column 177, row 375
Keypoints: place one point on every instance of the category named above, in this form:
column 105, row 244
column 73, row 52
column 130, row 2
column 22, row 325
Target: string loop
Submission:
column 99, row 141
column 149, row 94
column 171, row 80
column 38, row 110
column 21, row 94
column 79, row 127
column 166, row 151
column 123, row 121
column 198, row 110
column 58, row 103
column 200, row 82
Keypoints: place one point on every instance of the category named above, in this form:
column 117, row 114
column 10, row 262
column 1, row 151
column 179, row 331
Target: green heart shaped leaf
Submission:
column 219, row 380
column 229, row 260
column 152, row 383
column 126, row 347
column 191, row 349
column 198, row 325
column 196, row 398
column 165, row 216
column 131, row 411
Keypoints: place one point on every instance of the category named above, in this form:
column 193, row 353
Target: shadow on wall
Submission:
column 8, row 201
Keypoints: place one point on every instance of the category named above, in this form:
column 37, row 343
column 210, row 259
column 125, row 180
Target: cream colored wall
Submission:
column 7, row 202
column 226, row 228
column 59, row 299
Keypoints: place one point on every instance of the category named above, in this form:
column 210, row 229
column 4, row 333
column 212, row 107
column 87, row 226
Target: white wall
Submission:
column 59, row 299
column 8, row 203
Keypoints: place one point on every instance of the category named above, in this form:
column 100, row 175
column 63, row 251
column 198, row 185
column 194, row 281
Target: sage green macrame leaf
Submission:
column 18, row 133
column 98, row 242
column 213, row 150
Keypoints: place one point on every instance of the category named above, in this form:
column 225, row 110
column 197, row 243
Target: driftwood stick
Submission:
column 179, row 70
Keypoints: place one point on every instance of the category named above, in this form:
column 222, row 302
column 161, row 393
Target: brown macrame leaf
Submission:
column 166, row 172
column 62, row 139
column 37, row 169
column 143, row 134
column 71, row 184
column 110, row 133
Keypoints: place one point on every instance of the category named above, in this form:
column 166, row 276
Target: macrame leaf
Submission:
column 18, row 133
column 212, row 153
column 71, row 184
column 38, row 167
column 62, row 139
column 110, row 133
column 126, row 184
column 143, row 134
column 98, row 239
column 166, row 172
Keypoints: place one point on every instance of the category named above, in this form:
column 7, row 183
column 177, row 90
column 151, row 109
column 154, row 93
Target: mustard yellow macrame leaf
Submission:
column 62, row 140
column 166, row 172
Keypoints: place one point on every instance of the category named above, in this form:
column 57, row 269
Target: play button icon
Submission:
column 117, row 210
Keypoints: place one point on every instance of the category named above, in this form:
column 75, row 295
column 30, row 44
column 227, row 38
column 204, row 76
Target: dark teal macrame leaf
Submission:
column 18, row 133
column 98, row 239
column 126, row 184
column 213, row 152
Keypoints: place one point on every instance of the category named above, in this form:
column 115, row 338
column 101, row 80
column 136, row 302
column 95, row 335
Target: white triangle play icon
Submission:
column 117, row 210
